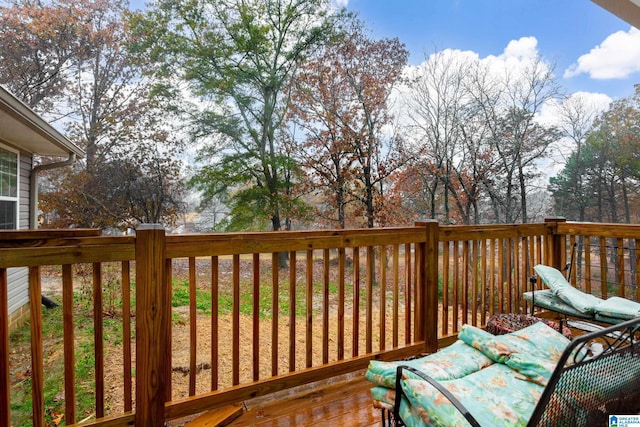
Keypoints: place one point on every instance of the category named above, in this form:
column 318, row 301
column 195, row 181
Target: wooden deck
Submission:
column 394, row 306
column 346, row 402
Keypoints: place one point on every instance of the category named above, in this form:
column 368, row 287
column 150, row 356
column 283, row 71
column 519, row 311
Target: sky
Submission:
column 595, row 54
column 593, row 50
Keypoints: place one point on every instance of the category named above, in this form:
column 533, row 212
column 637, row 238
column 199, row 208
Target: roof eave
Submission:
column 627, row 10
column 31, row 131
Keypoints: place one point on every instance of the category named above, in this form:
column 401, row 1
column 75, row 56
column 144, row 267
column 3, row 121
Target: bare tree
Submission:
column 448, row 134
column 509, row 104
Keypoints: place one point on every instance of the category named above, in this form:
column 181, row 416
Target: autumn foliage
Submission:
column 290, row 115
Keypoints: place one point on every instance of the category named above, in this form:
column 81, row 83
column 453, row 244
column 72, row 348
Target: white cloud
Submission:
column 515, row 58
column 617, row 57
column 523, row 48
column 341, row 3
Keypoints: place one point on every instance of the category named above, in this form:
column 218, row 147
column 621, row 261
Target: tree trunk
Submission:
column 283, row 257
column 523, row 192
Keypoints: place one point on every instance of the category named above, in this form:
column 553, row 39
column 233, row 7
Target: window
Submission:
column 8, row 190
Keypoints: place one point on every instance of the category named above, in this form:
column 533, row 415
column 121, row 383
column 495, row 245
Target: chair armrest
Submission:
column 438, row 386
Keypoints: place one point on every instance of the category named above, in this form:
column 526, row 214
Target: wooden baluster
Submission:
column 235, row 324
column 587, row 264
column 193, row 326
column 126, row 336
column 69, row 345
column 256, row 317
column 168, row 297
column 407, row 293
column 341, row 302
column 474, row 283
column 37, row 368
column 325, row 305
column 396, row 294
column 465, row 282
column 501, row 268
column 309, row 310
column 356, row 302
column 383, row 297
column 456, row 285
column 604, row 263
column 509, row 269
column 621, row 268
column 517, row 274
column 98, row 337
column 525, row 268
column 493, row 291
column 275, row 307
column 369, row 302
column 445, row 288
column 483, row 281
column 292, row 310
column 214, row 322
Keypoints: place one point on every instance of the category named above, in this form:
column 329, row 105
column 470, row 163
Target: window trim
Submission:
column 17, row 198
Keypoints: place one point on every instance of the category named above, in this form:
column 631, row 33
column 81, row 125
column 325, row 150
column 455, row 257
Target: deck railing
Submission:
column 605, row 258
column 264, row 312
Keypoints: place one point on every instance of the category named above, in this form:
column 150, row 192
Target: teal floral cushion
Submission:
column 454, row 361
column 495, row 395
column 503, row 393
column 534, row 369
column 383, row 398
column 537, row 340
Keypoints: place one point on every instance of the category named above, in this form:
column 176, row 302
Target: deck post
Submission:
column 152, row 325
column 555, row 248
column 427, row 289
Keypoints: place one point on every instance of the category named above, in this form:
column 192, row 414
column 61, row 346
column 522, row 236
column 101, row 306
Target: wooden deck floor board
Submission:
column 346, row 403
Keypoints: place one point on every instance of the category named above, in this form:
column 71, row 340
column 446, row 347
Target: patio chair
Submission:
column 583, row 389
column 563, row 298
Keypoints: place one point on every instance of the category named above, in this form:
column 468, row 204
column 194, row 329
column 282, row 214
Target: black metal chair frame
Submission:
column 599, row 384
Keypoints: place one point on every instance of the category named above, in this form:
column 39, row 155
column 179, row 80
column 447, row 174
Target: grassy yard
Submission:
column 20, row 363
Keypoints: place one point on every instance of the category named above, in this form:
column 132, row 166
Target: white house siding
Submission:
column 18, row 296
column 18, row 278
column 25, row 174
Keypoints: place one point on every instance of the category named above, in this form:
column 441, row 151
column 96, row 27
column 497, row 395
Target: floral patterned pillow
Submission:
column 454, row 361
column 537, row 340
column 536, row 369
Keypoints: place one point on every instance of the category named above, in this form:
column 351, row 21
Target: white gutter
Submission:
column 33, row 196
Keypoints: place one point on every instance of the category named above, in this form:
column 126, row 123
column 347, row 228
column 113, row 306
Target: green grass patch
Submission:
column 54, row 399
column 181, row 296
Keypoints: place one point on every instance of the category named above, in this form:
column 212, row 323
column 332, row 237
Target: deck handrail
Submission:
column 414, row 289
